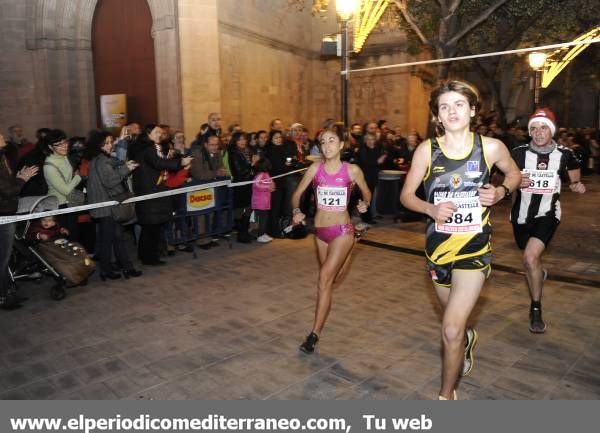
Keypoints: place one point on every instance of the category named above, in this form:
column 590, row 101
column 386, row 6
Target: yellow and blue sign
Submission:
column 201, row 200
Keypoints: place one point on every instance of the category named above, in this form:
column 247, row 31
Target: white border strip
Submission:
column 475, row 56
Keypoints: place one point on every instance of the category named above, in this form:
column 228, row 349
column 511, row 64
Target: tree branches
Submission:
column 481, row 18
column 411, row 21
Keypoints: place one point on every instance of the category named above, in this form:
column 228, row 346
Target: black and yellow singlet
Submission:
column 467, row 233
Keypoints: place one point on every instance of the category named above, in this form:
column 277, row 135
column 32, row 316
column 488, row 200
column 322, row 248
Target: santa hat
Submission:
column 544, row 115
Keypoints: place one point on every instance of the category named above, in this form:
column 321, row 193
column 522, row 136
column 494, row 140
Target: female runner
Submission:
column 334, row 233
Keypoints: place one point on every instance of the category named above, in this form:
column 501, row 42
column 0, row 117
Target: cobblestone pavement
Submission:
column 227, row 325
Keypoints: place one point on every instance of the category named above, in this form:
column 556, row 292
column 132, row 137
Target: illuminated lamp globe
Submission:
column 346, row 8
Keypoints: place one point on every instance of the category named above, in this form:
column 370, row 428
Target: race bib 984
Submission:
column 466, row 219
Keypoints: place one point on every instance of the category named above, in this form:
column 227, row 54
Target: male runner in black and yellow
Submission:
column 455, row 169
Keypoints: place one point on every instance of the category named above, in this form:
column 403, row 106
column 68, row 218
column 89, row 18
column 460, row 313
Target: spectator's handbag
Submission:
column 123, row 212
column 76, row 197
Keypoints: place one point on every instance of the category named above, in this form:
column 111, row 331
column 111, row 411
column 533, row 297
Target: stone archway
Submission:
column 60, row 38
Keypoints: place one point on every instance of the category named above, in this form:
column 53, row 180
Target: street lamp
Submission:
column 345, row 9
column 537, row 61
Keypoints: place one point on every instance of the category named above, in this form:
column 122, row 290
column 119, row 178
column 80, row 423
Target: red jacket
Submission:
column 36, row 229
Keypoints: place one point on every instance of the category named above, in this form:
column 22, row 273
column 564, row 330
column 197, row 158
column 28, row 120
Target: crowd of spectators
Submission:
column 157, row 158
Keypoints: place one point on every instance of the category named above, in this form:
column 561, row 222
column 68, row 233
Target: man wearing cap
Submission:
column 536, row 210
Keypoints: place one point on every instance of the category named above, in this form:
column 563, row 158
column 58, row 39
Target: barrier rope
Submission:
column 475, row 56
column 172, row 192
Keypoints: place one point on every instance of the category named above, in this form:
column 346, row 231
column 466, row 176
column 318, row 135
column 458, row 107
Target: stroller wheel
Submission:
column 57, row 292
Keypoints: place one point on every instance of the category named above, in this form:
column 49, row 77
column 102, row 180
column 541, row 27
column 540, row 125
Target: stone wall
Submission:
column 46, row 67
column 252, row 60
column 46, row 76
column 200, row 64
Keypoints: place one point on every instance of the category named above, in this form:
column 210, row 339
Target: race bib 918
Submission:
column 541, row 181
column 332, row 198
column 466, row 219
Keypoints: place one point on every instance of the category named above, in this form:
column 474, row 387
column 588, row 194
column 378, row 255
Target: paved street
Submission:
column 227, row 325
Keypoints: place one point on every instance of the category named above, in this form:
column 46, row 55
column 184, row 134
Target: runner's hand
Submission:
column 441, row 212
column 298, row 218
column 577, row 187
column 490, row 195
column 362, row 206
column 524, row 180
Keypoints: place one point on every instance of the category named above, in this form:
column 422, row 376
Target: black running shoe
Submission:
column 536, row 324
column 469, row 358
column 309, row 344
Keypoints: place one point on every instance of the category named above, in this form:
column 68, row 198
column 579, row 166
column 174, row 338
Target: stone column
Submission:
column 200, row 63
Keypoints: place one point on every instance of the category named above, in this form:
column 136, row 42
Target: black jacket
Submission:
column 241, row 170
column 37, row 184
column 278, row 156
column 9, row 189
column 367, row 161
column 146, row 181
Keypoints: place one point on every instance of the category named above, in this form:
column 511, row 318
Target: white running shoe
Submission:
column 264, row 239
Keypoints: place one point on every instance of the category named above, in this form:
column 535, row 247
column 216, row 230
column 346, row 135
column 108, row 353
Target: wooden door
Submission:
column 123, row 54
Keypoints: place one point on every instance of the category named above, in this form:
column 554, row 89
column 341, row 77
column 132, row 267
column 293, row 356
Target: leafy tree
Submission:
column 452, row 28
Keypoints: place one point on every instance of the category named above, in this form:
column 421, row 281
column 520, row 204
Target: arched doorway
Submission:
column 123, row 55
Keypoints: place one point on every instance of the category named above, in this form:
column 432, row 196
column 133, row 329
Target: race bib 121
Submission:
column 332, row 198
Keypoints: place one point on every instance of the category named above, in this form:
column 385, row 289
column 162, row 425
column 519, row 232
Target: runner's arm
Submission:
column 497, row 154
column 306, row 180
column 418, row 170
column 575, row 179
column 359, row 179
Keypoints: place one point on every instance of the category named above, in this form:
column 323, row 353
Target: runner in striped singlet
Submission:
column 536, row 210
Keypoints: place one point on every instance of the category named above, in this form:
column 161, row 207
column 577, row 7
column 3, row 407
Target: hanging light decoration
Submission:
column 366, row 19
column 365, row 14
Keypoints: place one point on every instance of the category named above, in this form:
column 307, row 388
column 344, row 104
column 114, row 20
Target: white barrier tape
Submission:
column 12, row 219
column 177, row 191
column 172, row 192
column 249, row 182
column 475, row 56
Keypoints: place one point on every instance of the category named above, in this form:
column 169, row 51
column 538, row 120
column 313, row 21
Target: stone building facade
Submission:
column 251, row 60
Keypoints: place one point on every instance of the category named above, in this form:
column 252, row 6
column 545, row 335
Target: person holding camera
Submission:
column 282, row 156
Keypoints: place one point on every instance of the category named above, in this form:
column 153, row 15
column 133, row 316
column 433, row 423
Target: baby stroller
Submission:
column 30, row 259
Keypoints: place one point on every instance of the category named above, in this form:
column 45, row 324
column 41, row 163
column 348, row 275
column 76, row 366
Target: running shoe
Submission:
column 454, row 397
column 469, row 361
column 263, row 239
column 309, row 344
column 536, row 324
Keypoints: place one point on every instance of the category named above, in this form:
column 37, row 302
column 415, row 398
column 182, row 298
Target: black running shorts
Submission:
column 442, row 274
column 542, row 228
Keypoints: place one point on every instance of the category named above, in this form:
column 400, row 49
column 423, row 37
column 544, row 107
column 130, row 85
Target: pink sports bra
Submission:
column 332, row 190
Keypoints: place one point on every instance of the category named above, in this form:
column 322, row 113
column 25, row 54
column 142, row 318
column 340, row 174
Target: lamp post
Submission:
column 345, row 9
column 537, row 61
